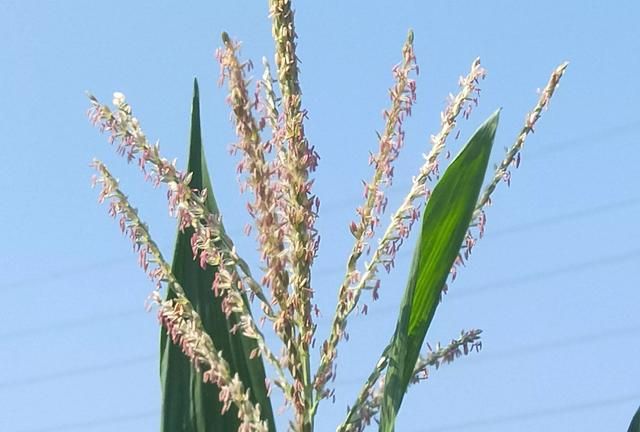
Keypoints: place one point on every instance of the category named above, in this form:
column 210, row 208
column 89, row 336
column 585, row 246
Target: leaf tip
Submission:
column 196, row 87
column 225, row 38
column 410, row 36
column 491, row 124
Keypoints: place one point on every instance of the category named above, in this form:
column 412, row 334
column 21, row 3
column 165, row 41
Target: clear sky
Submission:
column 554, row 284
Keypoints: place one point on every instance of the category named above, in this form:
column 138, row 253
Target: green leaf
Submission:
column 188, row 404
column 445, row 222
column 635, row 422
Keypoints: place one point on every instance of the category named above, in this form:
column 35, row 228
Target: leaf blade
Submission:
column 189, row 404
column 635, row 422
column 445, row 222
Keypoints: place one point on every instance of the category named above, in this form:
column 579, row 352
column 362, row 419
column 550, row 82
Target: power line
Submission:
column 594, row 263
column 546, row 150
column 560, row 343
column 540, row 347
column 603, row 261
column 105, row 421
column 549, row 220
column 70, row 324
column 588, row 139
column 536, row 414
column 562, row 217
column 64, row 273
column 78, row 371
column 487, row 421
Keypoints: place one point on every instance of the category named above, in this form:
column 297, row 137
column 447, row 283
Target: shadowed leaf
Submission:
column 188, row 404
column 635, row 422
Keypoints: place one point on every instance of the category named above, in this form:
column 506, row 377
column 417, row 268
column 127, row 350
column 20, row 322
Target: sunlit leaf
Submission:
column 445, row 222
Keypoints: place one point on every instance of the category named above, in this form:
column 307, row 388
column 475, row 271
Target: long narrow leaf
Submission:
column 445, row 223
column 188, row 404
column 635, row 422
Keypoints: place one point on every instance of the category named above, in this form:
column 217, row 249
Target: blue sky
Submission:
column 553, row 284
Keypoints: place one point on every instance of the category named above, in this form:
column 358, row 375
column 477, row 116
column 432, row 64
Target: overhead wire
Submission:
column 540, row 413
column 593, row 263
column 524, row 350
column 64, row 273
column 597, row 136
column 99, row 422
column 567, row 216
column 76, row 371
column 471, row 424
column 518, row 351
column 590, row 264
column 543, row 150
column 544, row 221
column 536, row 414
column 93, row 319
column 544, row 412
column 598, row 262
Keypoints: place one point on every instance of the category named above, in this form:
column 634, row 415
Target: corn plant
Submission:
column 216, row 369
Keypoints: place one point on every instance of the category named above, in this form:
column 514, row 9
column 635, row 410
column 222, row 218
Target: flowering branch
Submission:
column 297, row 160
column 399, row 227
column 183, row 325
column 259, row 173
column 368, row 400
column 268, row 197
column 512, row 158
column 502, row 172
column 178, row 317
column 259, row 180
column 402, row 95
column 188, row 205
